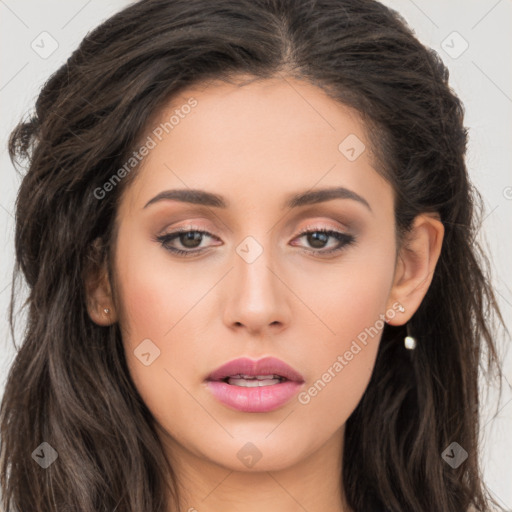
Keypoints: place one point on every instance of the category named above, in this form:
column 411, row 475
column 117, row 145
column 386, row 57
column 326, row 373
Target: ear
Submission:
column 415, row 265
column 100, row 304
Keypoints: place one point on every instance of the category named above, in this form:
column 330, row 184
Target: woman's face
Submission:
column 259, row 159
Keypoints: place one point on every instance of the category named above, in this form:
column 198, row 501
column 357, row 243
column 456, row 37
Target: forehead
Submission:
column 229, row 112
column 266, row 135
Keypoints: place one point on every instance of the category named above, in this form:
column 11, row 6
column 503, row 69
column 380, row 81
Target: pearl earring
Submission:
column 106, row 311
column 409, row 341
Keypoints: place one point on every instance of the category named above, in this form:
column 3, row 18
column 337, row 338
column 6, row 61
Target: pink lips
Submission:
column 255, row 399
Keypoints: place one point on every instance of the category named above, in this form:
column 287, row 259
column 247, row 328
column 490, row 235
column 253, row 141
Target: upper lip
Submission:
column 247, row 366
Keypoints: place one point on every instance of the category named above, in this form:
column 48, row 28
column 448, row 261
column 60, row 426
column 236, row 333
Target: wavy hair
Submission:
column 69, row 385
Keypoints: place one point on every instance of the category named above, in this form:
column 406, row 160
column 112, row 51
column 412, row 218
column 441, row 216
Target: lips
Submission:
column 266, row 367
column 254, row 386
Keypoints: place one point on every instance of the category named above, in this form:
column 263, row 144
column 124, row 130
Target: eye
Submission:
column 188, row 238
column 319, row 238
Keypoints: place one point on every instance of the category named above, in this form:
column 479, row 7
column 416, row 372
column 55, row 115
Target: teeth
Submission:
column 251, row 382
column 259, row 377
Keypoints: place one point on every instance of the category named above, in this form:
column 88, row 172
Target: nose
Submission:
column 258, row 295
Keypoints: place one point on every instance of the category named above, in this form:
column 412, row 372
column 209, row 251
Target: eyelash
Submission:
column 345, row 240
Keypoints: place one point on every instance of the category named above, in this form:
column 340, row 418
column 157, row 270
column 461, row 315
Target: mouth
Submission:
column 253, row 381
column 254, row 386
column 249, row 373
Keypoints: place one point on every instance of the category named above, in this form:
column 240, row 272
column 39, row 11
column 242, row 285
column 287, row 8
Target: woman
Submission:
column 247, row 230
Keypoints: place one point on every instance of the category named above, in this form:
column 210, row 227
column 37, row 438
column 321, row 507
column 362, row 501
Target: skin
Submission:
column 255, row 145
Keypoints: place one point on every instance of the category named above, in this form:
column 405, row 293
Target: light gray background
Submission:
column 481, row 75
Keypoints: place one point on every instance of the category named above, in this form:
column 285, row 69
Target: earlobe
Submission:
column 416, row 264
column 101, row 314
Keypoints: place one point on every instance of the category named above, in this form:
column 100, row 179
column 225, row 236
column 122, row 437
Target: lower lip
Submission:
column 257, row 399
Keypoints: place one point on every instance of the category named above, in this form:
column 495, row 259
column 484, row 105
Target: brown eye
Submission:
column 189, row 239
column 319, row 238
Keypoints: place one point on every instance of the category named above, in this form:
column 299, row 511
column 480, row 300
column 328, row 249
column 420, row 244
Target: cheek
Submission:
column 351, row 303
column 158, row 321
column 151, row 299
column 350, row 296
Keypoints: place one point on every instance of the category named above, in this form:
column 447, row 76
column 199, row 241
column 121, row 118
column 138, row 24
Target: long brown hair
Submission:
column 69, row 385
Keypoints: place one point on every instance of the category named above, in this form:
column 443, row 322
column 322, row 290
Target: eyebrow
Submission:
column 204, row 198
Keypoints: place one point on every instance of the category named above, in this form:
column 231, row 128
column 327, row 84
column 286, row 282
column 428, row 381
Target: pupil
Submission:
column 191, row 236
column 315, row 237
